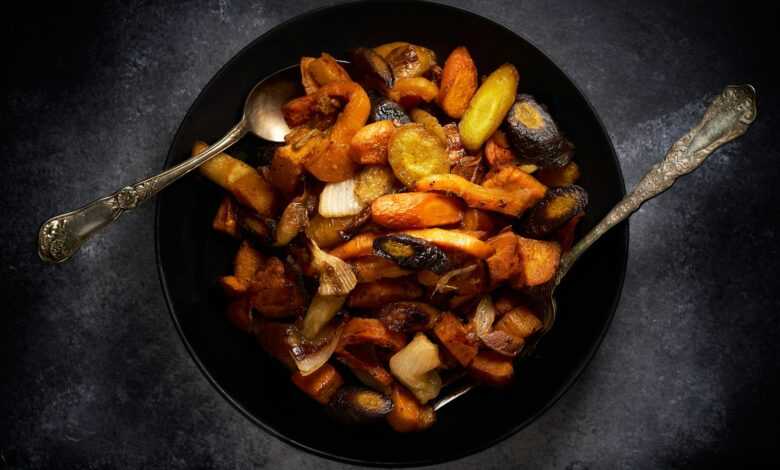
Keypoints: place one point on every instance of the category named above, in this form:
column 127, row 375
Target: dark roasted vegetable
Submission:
column 534, row 135
column 410, row 60
column 386, row 109
column 254, row 227
column 359, row 405
column 558, row 206
column 372, row 69
column 407, row 317
column 411, row 252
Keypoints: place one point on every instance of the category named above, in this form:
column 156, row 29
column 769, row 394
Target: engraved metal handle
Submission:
column 727, row 118
column 61, row 236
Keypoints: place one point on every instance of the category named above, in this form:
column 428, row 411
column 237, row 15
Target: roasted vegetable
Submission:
column 226, row 218
column 233, row 287
column 464, row 282
column 310, row 355
column 488, row 107
column 321, row 310
column 407, row 317
column 408, row 415
column 247, row 262
column 453, row 240
column 239, row 313
column 455, row 150
column 559, row 176
column 373, row 268
column 360, row 245
column 458, row 83
column 415, row 210
column 294, row 218
column 381, row 292
column 369, row 144
column 370, row 331
column 326, row 232
column 415, row 366
column 287, row 165
column 336, row 277
column 513, row 202
column 533, row 133
column 539, row 260
column 456, row 338
column 320, row 71
column 384, row 109
column 339, row 200
column 373, row 182
column 520, row 322
column 505, row 262
column 475, row 219
column 372, row 69
column 497, row 155
column 410, row 92
column 557, row 207
column 321, row 384
column 430, row 122
column 276, row 292
column 411, row 253
column 565, row 235
column 256, row 228
column 359, row 405
column 492, row 368
column 274, row 338
column 243, row 181
column 385, row 49
column 514, row 179
column 415, row 152
column 409, row 60
column 362, row 360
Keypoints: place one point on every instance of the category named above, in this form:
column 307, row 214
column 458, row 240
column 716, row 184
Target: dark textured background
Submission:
column 94, row 375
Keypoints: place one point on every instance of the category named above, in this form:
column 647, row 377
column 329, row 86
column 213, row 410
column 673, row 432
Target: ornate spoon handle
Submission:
column 61, row 236
column 727, row 118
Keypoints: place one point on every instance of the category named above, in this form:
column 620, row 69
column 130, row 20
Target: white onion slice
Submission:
column 339, row 200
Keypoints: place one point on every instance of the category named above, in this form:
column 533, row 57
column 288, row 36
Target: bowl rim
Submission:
column 459, row 454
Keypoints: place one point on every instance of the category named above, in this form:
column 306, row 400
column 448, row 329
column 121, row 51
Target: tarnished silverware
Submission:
column 727, row 118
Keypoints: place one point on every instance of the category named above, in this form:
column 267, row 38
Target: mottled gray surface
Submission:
column 94, row 375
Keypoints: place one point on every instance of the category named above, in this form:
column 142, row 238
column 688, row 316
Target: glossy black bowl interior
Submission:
column 191, row 256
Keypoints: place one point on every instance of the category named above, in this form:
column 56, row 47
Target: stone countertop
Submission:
column 95, row 376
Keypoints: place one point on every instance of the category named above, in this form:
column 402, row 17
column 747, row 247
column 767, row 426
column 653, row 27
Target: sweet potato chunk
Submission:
column 454, row 240
column 287, row 166
column 492, row 368
column 505, row 262
column 520, row 322
column 475, row 219
column 276, row 293
column 513, row 202
column 369, row 144
column 373, row 268
column 362, row 361
column 371, row 331
column 408, row 415
column 512, row 179
column 381, row 292
column 226, row 218
column 415, row 210
column 540, row 261
column 455, row 337
column 243, row 181
column 458, row 83
column 321, row 384
column 360, row 245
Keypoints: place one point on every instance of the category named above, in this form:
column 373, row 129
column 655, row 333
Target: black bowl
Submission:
column 191, row 256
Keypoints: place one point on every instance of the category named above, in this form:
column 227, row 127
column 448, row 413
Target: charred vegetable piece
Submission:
column 241, row 179
column 454, row 336
column 458, row 83
column 534, row 135
column 539, row 259
column 411, row 253
column 415, row 366
column 362, row 360
column 562, row 176
column 372, row 68
column 492, row 368
column 384, row 109
column 321, row 385
column 360, row 245
column 488, row 107
column 381, row 292
column 226, row 218
column 503, row 343
column 373, row 268
column 415, row 210
column 557, row 208
column 276, row 291
column 326, row 232
column 408, row 415
column 254, row 227
column 407, row 317
column 453, row 240
column 369, row 145
column 373, row 182
column 566, row 234
column 410, row 60
column 415, row 152
column 360, row 405
column 370, row 331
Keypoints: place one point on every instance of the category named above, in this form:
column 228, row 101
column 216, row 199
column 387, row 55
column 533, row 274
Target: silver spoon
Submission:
column 727, row 118
column 61, row 236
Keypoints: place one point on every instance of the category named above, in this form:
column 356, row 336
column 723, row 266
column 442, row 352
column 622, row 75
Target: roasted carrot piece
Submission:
column 492, row 368
column 512, row 179
column 539, row 259
column 408, row 415
column 412, row 90
column 453, row 240
column 369, row 144
column 360, row 245
column 458, row 83
column 226, row 218
column 243, row 181
column 520, row 322
column 247, row 261
column 415, row 210
column 383, row 291
column 373, row 268
column 320, row 384
column 505, row 262
column 455, row 337
column 372, row 331
column 362, row 361
column 475, row 219
column 512, row 203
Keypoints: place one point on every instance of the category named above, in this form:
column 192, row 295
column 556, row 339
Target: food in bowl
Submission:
column 389, row 246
